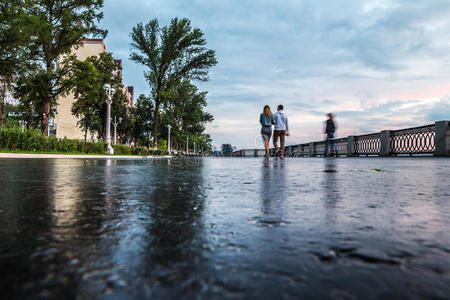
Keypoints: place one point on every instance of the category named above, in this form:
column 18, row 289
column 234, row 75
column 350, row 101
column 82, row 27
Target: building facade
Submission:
column 65, row 123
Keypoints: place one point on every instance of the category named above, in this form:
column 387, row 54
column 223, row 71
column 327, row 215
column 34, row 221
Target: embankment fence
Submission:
column 433, row 139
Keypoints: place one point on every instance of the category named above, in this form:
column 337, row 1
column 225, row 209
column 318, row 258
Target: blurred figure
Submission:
column 266, row 120
column 281, row 130
column 330, row 129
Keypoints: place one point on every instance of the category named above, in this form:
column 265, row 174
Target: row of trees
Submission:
column 37, row 62
column 37, row 39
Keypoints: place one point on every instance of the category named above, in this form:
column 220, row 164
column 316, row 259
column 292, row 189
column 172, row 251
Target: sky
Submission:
column 375, row 64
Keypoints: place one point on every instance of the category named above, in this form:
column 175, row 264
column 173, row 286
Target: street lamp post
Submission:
column 187, row 146
column 168, row 139
column 115, row 123
column 194, row 149
column 109, row 92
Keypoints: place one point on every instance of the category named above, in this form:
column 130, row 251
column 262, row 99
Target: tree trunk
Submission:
column 85, row 137
column 47, row 100
column 155, row 123
column 2, row 104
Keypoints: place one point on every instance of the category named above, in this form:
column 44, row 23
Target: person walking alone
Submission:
column 266, row 121
column 330, row 129
column 281, row 130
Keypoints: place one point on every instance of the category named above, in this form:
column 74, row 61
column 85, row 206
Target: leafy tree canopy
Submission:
column 58, row 26
column 89, row 78
column 171, row 53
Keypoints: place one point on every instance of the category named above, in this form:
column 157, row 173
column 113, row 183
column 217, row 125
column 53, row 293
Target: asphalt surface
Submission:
column 309, row 228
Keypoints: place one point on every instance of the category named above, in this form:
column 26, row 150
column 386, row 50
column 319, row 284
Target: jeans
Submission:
column 282, row 135
column 329, row 141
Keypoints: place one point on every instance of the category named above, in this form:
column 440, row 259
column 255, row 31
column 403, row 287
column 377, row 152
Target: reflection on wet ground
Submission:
column 235, row 228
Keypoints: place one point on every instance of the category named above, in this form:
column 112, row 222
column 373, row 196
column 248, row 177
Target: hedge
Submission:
column 33, row 140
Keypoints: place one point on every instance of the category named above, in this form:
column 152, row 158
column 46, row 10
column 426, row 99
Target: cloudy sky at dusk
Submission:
column 376, row 64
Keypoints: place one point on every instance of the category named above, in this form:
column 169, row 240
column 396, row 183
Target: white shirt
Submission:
column 281, row 121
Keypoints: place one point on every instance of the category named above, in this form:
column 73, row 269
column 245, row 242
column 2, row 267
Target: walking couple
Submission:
column 280, row 120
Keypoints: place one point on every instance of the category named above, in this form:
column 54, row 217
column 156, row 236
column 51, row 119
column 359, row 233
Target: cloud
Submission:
column 375, row 63
column 439, row 111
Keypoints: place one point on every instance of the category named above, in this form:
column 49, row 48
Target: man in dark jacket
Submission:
column 330, row 129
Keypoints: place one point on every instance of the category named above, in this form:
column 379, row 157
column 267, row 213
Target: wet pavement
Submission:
column 313, row 228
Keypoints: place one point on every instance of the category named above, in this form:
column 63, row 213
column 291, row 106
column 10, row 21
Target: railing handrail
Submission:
column 367, row 135
column 435, row 139
column 413, row 128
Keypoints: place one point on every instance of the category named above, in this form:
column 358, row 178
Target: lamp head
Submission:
column 107, row 87
column 120, row 119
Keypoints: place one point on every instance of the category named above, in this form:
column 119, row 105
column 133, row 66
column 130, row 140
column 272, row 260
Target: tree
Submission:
column 87, row 92
column 120, row 109
column 58, row 26
column 171, row 53
column 227, row 149
column 189, row 105
column 184, row 112
column 14, row 36
column 29, row 90
column 142, row 115
column 206, row 143
column 89, row 77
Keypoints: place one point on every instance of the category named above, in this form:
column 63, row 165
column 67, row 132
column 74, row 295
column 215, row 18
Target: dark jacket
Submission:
column 330, row 127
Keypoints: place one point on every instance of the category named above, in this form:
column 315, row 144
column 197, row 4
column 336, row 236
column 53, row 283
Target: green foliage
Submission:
column 14, row 36
column 185, row 113
column 11, row 116
column 174, row 56
column 56, row 26
column 227, row 149
column 35, row 141
column 121, row 149
column 120, row 109
column 99, row 147
column 15, row 33
column 28, row 140
column 67, row 145
column 205, row 143
column 89, row 77
column 162, row 145
column 171, row 53
column 31, row 90
column 142, row 125
column 140, row 151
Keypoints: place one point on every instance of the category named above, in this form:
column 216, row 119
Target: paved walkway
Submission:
column 220, row 228
column 78, row 156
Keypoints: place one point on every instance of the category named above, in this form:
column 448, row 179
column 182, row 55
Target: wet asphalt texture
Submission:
column 308, row 228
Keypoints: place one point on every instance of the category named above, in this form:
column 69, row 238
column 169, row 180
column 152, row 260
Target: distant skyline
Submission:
column 375, row 64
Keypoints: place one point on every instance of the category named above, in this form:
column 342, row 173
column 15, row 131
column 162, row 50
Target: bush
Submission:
column 34, row 140
column 162, row 145
column 28, row 140
column 98, row 148
column 121, row 149
column 66, row 145
column 139, row 151
column 9, row 138
column 144, row 151
column 52, row 144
